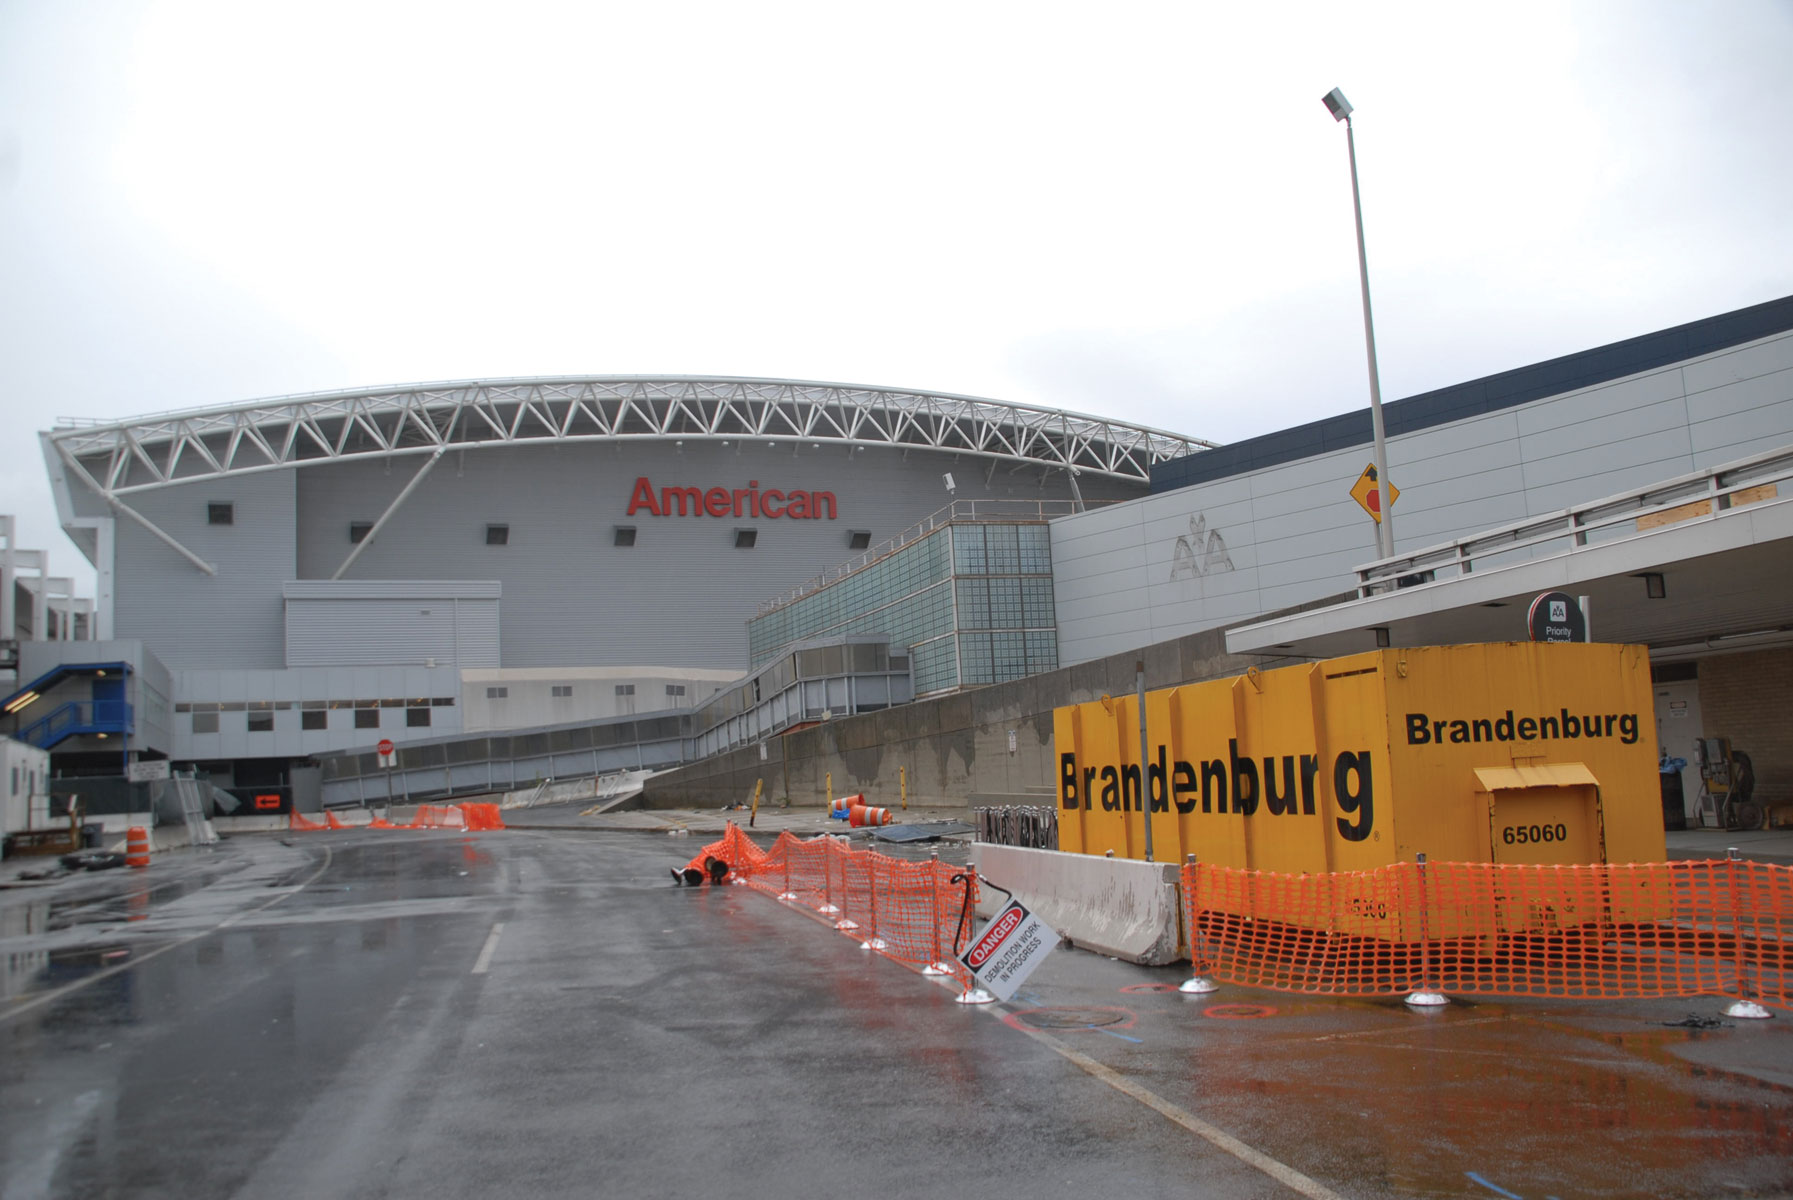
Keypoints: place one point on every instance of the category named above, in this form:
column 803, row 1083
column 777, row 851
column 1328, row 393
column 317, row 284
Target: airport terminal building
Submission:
column 674, row 567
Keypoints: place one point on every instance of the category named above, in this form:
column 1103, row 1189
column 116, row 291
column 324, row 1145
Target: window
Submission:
column 498, row 535
column 441, row 701
column 417, row 718
column 205, row 722
column 314, row 718
column 497, row 693
column 220, row 514
column 745, row 539
column 625, row 689
column 561, row 691
column 675, row 689
column 858, row 539
column 625, row 535
column 358, row 530
column 367, row 718
column 261, row 722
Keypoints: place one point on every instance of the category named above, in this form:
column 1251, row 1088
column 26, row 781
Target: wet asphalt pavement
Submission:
column 537, row 1013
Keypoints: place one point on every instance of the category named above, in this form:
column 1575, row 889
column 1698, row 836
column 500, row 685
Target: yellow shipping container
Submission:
column 1507, row 752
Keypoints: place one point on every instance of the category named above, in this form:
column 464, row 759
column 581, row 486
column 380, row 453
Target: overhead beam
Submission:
column 403, row 495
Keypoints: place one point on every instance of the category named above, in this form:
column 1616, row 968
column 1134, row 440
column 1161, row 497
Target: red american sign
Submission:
column 749, row 501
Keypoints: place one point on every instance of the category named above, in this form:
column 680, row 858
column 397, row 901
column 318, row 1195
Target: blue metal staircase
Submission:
column 105, row 712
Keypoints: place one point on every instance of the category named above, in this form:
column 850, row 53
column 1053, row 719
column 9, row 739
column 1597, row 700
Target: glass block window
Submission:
column 1002, row 549
column 968, row 549
column 1008, row 653
column 1005, row 603
column 974, row 603
column 975, row 665
column 972, row 578
column 936, row 665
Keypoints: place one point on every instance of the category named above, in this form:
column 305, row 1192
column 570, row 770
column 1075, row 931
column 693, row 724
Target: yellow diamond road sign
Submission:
column 1366, row 493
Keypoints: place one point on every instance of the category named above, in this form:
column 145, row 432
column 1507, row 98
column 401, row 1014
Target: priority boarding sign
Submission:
column 1008, row 950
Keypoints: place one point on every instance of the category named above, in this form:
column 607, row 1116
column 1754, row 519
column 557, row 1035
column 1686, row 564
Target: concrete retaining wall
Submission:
column 950, row 748
column 1131, row 910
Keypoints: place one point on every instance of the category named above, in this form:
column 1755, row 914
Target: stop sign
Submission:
column 385, row 746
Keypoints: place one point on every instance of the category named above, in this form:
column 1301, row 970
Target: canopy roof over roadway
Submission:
column 165, row 449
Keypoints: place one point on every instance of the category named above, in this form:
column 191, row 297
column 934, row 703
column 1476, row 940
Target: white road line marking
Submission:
column 484, row 961
column 138, row 959
column 1284, row 1174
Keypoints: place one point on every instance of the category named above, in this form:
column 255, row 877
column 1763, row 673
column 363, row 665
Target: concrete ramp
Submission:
column 1115, row 906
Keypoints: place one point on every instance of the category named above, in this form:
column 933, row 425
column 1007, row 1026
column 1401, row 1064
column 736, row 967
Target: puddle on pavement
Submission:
column 26, row 971
column 1536, row 1107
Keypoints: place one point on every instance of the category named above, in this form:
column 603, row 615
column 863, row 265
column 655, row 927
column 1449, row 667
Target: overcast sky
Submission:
column 1134, row 210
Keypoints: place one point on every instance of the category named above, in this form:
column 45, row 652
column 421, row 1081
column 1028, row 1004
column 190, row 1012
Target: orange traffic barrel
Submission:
column 137, row 847
column 864, row 814
column 845, row 803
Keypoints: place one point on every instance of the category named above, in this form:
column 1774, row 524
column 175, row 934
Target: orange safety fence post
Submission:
column 874, row 942
column 787, row 894
column 1744, row 1006
column 828, row 905
column 973, row 993
column 846, row 854
column 1198, row 984
column 1424, row 997
column 936, row 965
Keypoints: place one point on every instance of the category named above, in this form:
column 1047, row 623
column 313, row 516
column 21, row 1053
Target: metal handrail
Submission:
column 1716, row 485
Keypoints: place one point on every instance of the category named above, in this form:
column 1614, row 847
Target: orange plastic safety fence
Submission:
column 482, row 816
column 1626, row 930
column 909, row 911
column 428, row 816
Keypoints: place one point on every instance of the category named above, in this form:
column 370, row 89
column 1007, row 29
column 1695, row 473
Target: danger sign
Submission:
column 1366, row 493
column 1008, row 950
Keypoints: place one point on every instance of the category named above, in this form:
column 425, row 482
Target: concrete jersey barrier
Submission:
column 1116, row 906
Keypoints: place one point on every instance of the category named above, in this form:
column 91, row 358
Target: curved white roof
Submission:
column 293, row 431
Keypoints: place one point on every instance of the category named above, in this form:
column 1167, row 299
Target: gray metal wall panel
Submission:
column 1301, row 536
column 1743, row 362
column 194, row 620
column 409, row 632
column 288, row 740
column 682, row 595
column 1742, row 434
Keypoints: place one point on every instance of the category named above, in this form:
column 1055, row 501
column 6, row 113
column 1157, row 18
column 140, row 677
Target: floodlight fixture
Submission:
column 1340, row 108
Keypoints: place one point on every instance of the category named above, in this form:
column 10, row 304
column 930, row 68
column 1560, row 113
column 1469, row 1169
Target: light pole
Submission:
column 1340, row 108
